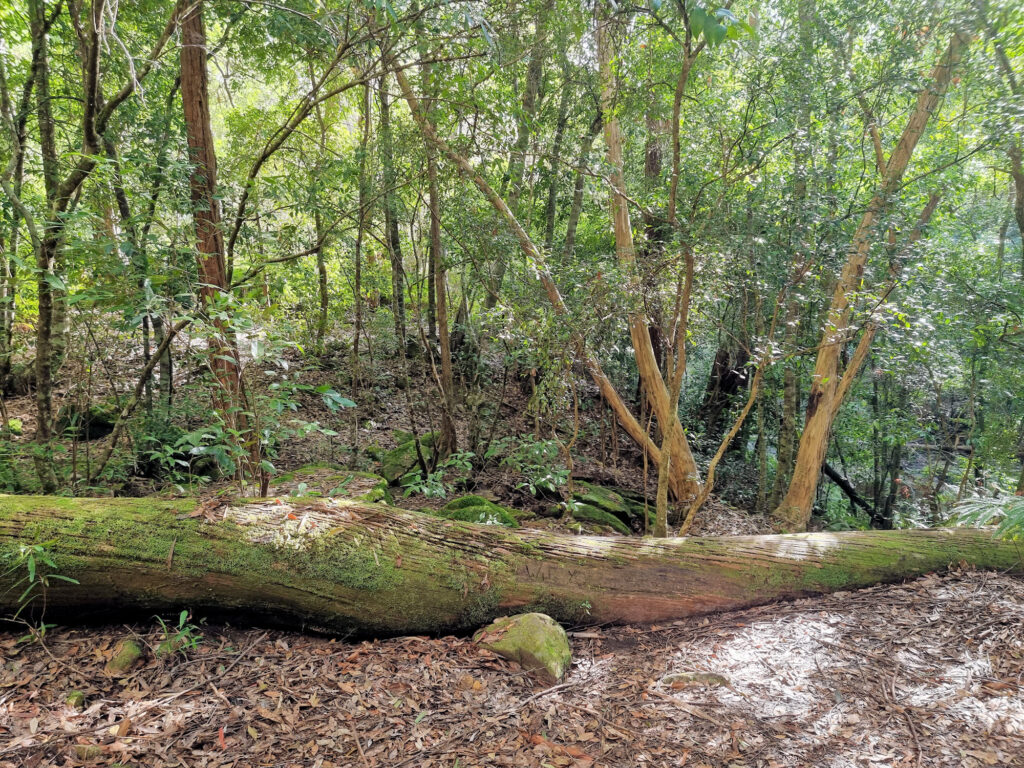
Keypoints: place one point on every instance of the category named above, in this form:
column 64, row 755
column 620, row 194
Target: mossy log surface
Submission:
column 348, row 567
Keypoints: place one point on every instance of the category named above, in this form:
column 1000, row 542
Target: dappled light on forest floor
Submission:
column 928, row 673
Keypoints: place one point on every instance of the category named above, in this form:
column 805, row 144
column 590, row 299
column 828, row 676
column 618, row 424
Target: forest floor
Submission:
column 927, row 673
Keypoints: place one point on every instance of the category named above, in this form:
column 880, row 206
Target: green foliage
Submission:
column 1006, row 513
column 539, row 462
column 438, row 483
column 40, row 570
column 179, row 636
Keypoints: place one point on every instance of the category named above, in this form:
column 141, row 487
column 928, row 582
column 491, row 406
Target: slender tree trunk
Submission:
column 1017, row 174
column 213, row 276
column 554, row 170
column 674, row 439
column 323, row 295
column 681, row 483
column 448, row 440
column 794, row 511
column 46, row 254
column 577, row 192
column 392, row 236
column 517, row 162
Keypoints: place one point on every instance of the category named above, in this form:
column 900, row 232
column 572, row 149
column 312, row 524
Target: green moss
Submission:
column 602, row 498
column 75, row 700
column 477, row 509
column 534, row 640
column 127, row 654
column 591, row 514
column 401, row 460
column 468, row 501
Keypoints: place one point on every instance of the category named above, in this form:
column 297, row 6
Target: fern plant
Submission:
column 1006, row 513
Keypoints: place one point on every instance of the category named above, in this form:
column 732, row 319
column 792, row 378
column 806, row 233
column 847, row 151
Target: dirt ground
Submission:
column 928, row 673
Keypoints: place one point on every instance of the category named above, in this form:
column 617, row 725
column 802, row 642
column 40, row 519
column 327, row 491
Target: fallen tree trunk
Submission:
column 354, row 568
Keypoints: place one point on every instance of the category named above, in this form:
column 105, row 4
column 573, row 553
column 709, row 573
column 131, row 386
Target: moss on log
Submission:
column 349, row 567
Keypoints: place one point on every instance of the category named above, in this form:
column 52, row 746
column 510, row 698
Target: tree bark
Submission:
column 213, row 274
column 794, row 511
column 392, row 237
column 577, row 191
column 347, row 567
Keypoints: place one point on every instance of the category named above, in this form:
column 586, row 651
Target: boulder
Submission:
column 602, row 498
column 477, row 509
column 533, row 640
column 87, row 422
column 126, row 655
column 588, row 513
column 401, row 460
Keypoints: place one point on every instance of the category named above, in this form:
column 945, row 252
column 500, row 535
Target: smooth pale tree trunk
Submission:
column 665, row 409
column 794, row 511
column 681, row 483
column 347, row 567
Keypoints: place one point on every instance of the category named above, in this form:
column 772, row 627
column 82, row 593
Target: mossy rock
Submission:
column 88, row 752
column 602, row 498
column 127, row 654
column 15, row 426
column 21, row 380
column 401, row 460
column 533, row 640
column 472, row 500
column 332, row 481
column 87, row 423
column 476, row 509
column 590, row 514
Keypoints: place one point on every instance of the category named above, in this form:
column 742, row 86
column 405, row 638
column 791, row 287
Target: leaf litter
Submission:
column 927, row 673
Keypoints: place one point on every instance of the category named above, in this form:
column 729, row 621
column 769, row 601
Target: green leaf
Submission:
column 698, row 18
column 715, row 33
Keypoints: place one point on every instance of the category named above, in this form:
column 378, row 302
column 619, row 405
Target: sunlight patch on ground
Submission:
column 771, row 665
column 959, row 690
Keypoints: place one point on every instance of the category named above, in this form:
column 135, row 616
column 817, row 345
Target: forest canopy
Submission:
column 767, row 254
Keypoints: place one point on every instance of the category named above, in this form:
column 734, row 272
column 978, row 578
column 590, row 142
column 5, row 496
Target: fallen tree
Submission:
column 356, row 568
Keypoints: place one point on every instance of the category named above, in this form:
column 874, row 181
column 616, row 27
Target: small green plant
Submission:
column 538, row 461
column 182, row 637
column 40, row 566
column 436, row 484
column 1006, row 513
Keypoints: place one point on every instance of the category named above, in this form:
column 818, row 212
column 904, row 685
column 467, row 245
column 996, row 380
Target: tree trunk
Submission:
column 794, row 511
column 347, row 567
column 517, row 162
column 665, row 408
column 577, row 192
column 213, row 274
column 555, row 164
column 392, row 237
